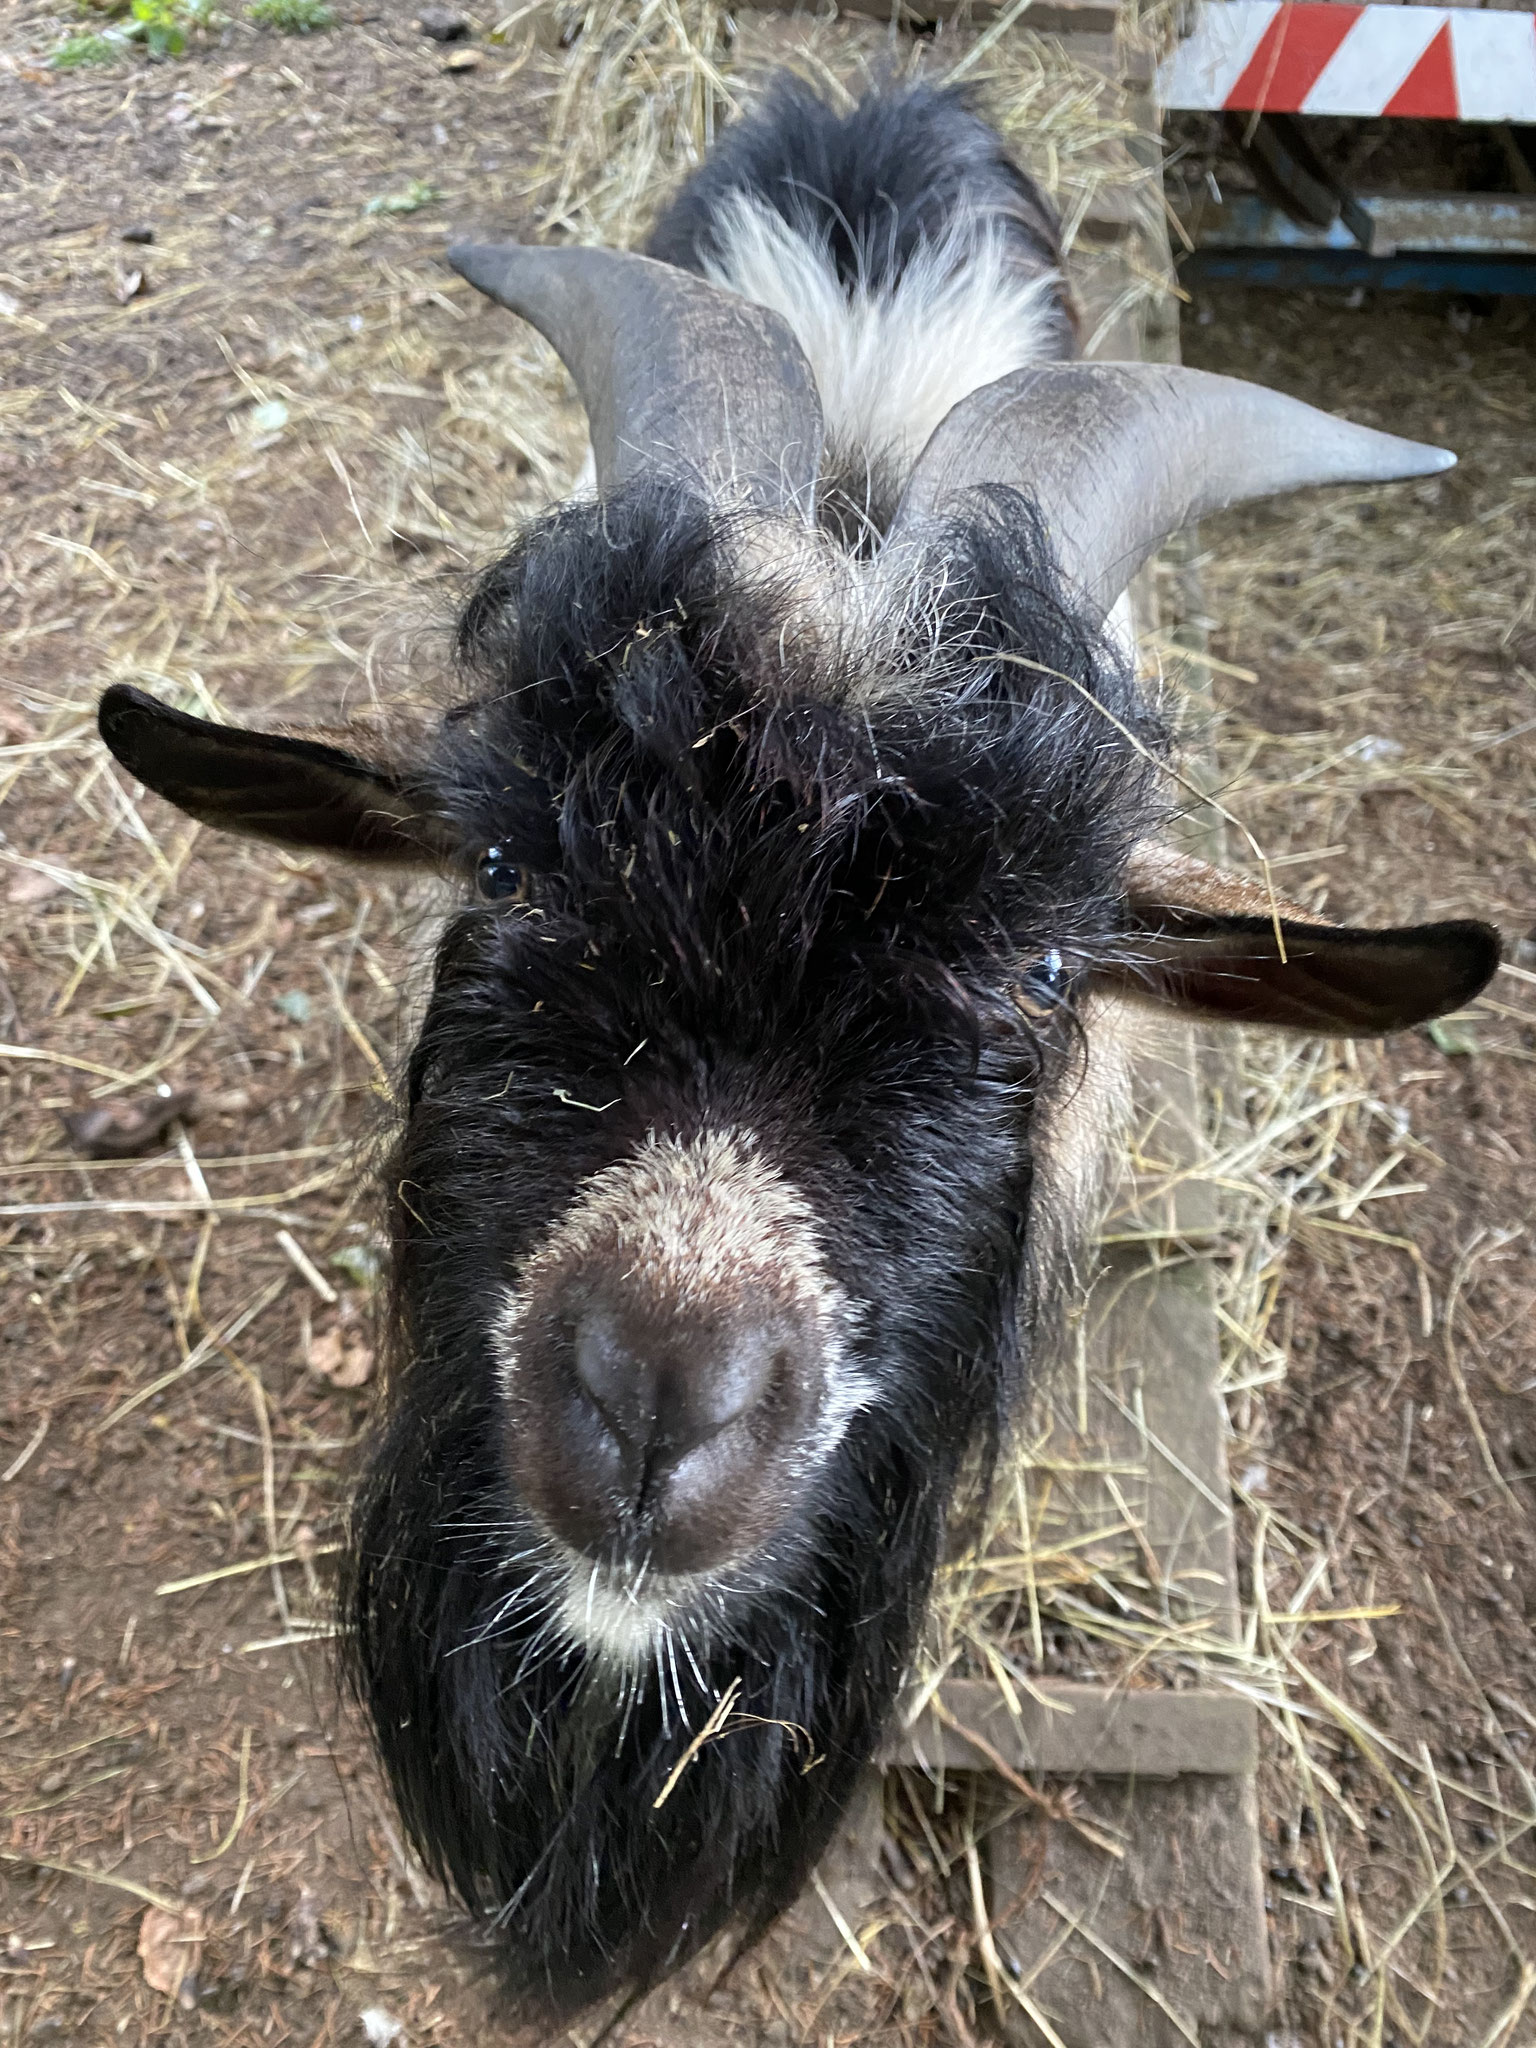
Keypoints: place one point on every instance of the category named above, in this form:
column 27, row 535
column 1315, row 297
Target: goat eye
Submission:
column 496, row 876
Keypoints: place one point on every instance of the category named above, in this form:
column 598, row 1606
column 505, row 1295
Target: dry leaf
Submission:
column 122, row 1130
column 342, row 1358
column 170, row 1948
column 31, row 885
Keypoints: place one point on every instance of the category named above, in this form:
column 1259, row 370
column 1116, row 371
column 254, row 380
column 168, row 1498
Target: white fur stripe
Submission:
column 890, row 364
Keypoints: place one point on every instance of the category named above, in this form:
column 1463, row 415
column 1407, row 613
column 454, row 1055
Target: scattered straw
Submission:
column 714, row 1723
column 419, row 427
column 248, row 1564
column 108, row 1878
column 242, row 1803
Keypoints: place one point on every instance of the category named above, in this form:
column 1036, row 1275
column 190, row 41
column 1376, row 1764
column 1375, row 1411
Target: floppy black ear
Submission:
column 1205, row 942
column 301, row 792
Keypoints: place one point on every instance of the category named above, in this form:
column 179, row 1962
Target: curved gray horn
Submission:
column 1120, row 455
column 675, row 374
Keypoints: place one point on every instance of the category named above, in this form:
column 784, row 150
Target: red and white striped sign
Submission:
column 1320, row 57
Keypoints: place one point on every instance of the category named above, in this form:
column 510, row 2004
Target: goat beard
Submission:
column 543, row 1787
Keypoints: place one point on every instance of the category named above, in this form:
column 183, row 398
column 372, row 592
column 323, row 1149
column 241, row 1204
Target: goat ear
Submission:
column 1206, row 943
column 301, row 792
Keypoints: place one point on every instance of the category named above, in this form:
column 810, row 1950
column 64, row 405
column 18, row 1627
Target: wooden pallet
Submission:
column 1164, row 1943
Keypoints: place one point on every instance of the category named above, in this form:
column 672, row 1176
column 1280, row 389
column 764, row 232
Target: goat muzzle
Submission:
column 662, row 1434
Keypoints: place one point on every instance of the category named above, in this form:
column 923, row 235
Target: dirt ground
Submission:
column 160, row 524
column 200, row 430
column 1401, row 631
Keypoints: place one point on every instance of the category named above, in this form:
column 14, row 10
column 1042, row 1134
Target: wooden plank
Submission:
column 1086, row 29
column 1090, row 1731
column 1169, row 1771
column 1047, row 17
column 1168, row 1944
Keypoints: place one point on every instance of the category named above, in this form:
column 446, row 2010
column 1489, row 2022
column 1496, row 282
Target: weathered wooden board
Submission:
column 1168, row 1773
column 1086, row 1731
column 1046, row 17
column 1151, row 1950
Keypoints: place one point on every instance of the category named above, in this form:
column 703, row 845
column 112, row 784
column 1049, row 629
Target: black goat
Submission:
column 808, row 807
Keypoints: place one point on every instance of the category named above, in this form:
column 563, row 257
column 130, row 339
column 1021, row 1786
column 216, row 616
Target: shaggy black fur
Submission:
column 760, row 899
column 878, row 183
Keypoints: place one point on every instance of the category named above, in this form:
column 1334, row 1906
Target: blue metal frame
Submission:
column 1294, row 269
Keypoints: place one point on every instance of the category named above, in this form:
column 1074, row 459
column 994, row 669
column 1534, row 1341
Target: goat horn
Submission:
column 1118, row 456
column 676, row 374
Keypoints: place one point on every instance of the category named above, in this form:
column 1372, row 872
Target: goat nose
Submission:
column 664, row 1395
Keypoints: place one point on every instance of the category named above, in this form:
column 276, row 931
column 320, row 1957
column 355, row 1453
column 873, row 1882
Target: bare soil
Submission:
column 1402, row 627
column 151, row 1749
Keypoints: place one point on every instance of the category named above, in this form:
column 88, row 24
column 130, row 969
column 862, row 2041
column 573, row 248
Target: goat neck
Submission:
column 678, row 377
column 1118, row 456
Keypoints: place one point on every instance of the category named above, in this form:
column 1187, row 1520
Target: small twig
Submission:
column 1147, row 1990
column 355, row 1031
column 719, row 1714
column 299, row 1637
column 70, row 1792
column 1503, row 2027
column 268, row 1485
column 120, row 1884
column 212, row 1343
column 307, row 1267
column 1475, row 1250
column 245, row 1878
column 1021, row 1784
column 835, row 1914
column 64, row 1059
column 1312, row 1221
column 990, row 1962
column 23, row 1456
column 190, row 1167
column 250, row 1564
column 241, row 1805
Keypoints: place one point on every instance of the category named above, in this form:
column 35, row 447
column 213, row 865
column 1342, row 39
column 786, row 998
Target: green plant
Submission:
column 291, row 17
column 162, row 26
column 415, row 196
column 75, row 52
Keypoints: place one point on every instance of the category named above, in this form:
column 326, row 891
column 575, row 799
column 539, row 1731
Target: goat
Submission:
column 804, row 808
